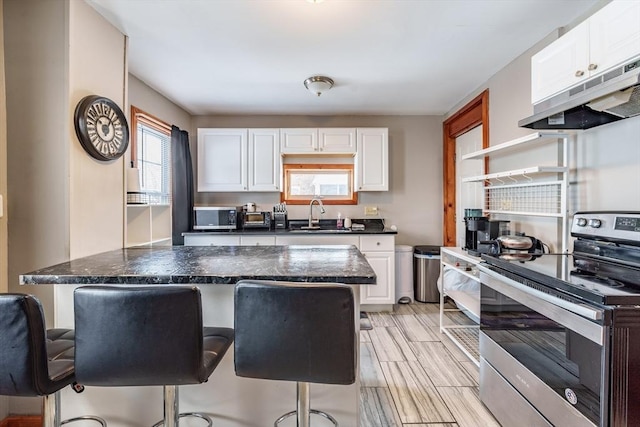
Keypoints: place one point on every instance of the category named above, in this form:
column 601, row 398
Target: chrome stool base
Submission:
column 51, row 413
column 303, row 411
column 99, row 420
column 190, row 414
column 311, row 411
column 171, row 413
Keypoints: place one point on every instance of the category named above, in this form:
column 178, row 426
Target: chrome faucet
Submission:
column 311, row 220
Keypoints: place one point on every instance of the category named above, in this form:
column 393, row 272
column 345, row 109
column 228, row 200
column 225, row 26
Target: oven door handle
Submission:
column 571, row 315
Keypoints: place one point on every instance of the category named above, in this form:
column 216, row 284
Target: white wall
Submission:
column 414, row 200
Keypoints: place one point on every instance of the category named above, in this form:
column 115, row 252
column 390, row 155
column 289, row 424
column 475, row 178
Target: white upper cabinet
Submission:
column 318, row 141
column 264, row 160
column 337, row 140
column 372, row 159
column 238, row 160
column 561, row 64
column 605, row 40
column 615, row 34
column 222, row 160
column 299, row 140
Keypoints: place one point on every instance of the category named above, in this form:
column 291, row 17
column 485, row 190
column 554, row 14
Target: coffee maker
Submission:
column 480, row 229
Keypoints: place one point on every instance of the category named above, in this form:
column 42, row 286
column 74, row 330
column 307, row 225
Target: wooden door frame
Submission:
column 475, row 113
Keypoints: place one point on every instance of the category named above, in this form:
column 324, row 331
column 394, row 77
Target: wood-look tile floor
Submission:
column 413, row 376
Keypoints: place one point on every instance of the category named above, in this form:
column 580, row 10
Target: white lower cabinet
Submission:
column 257, row 240
column 211, row 240
column 377, row 248
column 379, row 251
column 383, row 263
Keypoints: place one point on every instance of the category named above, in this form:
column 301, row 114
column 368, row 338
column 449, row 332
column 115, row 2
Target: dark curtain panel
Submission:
column 181, row 185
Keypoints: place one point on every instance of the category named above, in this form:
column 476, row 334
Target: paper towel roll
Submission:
column 133, row 180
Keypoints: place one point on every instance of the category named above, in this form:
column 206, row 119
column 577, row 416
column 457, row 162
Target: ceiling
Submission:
column 396, row 57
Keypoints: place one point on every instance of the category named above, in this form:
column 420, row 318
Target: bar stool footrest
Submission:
column 312, row 411
column 99, row 420
column 190, row 414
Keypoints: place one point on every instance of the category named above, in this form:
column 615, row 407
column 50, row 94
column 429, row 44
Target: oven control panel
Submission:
column 608, row 225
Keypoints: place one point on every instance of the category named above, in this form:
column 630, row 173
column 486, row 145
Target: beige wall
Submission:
column 4, row 286
column 4, row 401
column 96, row 200
column 150, row 101
column 63, row 204
column 414, row 200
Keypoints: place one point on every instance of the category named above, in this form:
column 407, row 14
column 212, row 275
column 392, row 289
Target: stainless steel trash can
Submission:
column 426, row 270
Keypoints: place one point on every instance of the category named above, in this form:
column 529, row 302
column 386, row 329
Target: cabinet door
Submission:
column 222, row 160
column 317, row 240
column 337, row 140
column 562, row 64
column 257, row 240
column 299, row 140
column 210, row 240
column 264, row 160
column 614, row 35
column 384, row 291
column 372, row 160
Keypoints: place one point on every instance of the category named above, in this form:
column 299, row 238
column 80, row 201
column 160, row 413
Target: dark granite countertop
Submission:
column 211, row 265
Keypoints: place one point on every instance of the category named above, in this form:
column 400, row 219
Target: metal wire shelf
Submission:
column 542, row 199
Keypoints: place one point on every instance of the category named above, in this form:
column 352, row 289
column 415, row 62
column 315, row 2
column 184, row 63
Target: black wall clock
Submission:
column 101, row 127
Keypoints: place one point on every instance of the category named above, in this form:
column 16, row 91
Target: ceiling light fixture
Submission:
column 318, row 84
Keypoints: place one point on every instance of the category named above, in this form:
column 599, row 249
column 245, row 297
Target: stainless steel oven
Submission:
column 562, row 348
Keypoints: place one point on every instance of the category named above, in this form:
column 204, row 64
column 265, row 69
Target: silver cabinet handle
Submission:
column 378, row 243
column 579, row 73
column 592, row 67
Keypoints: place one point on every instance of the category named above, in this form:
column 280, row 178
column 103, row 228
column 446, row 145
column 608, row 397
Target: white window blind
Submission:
column 154, row 164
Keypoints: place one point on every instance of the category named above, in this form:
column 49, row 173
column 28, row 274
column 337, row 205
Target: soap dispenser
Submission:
column 339, row 221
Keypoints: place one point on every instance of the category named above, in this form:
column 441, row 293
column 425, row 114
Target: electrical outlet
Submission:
column 370, row 210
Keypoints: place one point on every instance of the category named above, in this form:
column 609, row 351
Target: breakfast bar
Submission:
column 230, row 400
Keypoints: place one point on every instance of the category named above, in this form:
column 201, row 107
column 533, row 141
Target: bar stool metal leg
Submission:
column 171, row 411
column 303, row 412
column 51, row 413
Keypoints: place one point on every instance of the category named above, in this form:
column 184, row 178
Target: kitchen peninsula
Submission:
column 231, row 401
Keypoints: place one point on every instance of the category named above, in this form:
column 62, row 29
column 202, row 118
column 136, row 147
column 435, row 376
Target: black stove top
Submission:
column 592, row 280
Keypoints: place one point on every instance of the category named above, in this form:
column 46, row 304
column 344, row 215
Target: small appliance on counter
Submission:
column 480, row 231
column 256, row 220
column 216, row 217
column 280, row 216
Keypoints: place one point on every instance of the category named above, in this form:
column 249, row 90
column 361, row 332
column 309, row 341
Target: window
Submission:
column 332, row 182
column 151, row 154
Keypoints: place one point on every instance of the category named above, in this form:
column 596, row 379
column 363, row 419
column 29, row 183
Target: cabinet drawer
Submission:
column 376, row 243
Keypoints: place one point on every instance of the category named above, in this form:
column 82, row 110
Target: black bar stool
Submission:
column 145, row 336
column 35, row 361
column 296, row 332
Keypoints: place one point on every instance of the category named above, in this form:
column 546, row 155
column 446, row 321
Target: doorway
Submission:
column 472, row 115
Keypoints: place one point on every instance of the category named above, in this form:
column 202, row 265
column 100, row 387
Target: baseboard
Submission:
column 22, row 421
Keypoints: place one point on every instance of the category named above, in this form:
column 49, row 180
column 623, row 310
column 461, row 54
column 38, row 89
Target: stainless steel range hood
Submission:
column 612, row 96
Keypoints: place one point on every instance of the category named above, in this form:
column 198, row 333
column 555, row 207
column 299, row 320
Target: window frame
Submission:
column 343, row 167
column 139, row 116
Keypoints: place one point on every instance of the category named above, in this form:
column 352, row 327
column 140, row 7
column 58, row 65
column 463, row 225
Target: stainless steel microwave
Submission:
column 216, row 217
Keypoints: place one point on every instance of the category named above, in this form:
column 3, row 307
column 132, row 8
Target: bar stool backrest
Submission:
column 23, row 354
column 138, row 335
column 295, row 332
